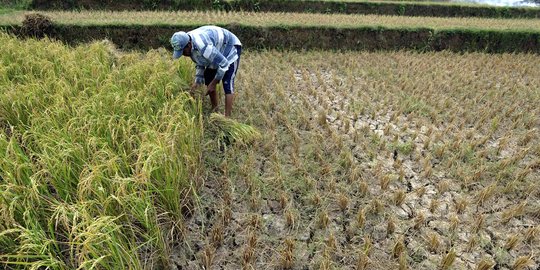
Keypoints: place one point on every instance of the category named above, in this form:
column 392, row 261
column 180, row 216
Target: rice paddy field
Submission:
column 332, row 159
column 393, row 160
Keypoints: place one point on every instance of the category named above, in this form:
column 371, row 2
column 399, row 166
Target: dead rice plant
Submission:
column 434, row 243
column 433, row 205
column 287, row 254
column 403, row 263
column 390, row 226
column 361, row 218
column 362, row 261
column 512, row 241
column 485, row 264
column 531, row 234
column 485, row 194
column 448, row 259
column 478, row 223
column 399, row 247
column 207, row 256
column 419, row 221
column 513, row 212
column 399, row 197
column 522, row 262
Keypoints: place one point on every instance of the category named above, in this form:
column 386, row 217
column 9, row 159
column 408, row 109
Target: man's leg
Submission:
column 228, row 87
column 209, row 75
column 213, row 100
column 229, row 99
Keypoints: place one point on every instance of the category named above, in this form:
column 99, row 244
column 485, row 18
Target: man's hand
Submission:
column 211, row 87
column 194, row 86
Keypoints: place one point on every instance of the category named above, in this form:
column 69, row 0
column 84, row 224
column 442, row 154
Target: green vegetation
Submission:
column 4, row 11
column 15, row 4
column 99, row 156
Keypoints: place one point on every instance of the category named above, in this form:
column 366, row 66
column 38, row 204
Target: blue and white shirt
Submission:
column 212, row 47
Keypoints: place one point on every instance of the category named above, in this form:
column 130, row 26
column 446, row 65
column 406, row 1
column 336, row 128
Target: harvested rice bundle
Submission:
column 230, row 130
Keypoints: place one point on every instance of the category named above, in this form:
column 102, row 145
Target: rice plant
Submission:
column 99, row 159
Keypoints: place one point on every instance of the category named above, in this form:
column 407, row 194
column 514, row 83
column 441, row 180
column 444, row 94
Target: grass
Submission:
column 275, row 19
column 15, row 4
column 5, row 11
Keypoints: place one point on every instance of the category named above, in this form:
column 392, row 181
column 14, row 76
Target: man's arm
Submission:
column 199, row 74
column 215, row 57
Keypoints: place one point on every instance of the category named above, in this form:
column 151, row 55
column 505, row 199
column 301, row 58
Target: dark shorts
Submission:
column 228, row 78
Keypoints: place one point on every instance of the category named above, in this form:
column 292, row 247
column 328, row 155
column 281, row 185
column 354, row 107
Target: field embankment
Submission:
column 100, row 155
column 349, row 7
column 143, row 30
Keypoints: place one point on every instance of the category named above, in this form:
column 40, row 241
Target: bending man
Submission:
column 216, row 54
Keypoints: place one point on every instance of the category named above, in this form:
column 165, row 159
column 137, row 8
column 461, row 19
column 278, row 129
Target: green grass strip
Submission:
column 164, row 18
column 379, row 7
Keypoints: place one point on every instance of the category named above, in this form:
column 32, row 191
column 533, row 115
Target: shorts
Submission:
column 228, row 78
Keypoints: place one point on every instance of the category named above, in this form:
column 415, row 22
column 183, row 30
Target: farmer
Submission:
column 216, row 53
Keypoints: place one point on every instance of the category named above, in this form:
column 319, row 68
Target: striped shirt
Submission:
column 212, row 47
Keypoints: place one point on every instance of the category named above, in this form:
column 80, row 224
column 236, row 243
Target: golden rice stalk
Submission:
column 461, row 205
column 361, row 218
column 368, row 244
column 485, row 264
column 531, row 234
column 433, row 205
column 443, row 186
column 363, row 261
column 522, row 262
column 290, row 218
column 331, row 242
column 343, row 202
column 454, row 222
column 419, row 221
column 403, row 263
column 448, row 260
column 207, row 256
column 235, row 130
column 283, row 200
column 376, row 206
column 420, row 191
column 384, row 181
column 399, row 197
column 478, row 223
column 390, row 226
column 516, row 211
column 287, row 254
column 512, row 242
column 323, row 220
column 485, row 194
column 217, row 235
column 473, row 242
column 399, row 247
column 433, row 242
column 364, row 188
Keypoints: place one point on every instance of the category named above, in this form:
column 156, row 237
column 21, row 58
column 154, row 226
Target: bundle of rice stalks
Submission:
column 231, row 131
